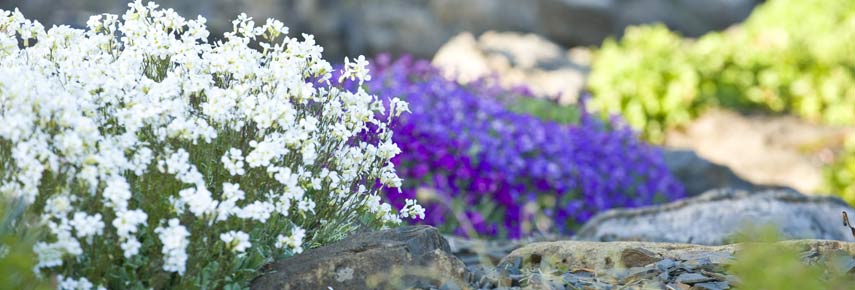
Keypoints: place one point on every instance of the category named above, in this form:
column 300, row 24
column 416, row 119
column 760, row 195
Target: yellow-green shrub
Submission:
column 648, row 77
column 840, row 176
column 790, row 56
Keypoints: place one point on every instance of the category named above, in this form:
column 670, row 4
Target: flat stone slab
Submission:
column 714, row 217
column 400, row 258
column 618, row 265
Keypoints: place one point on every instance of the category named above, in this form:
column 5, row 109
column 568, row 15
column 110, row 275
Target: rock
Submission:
column 412, row 256
column 692, row 278
column 529, row 60
column 714, row 217
column 421, row 27
column 577, row 258
column 588, row 22
column 699, row 175
column 665, row 264
column 764, row 150
column 638, row 257
column 638, row 273
column 689, row 17
column 598, row 255
column 489, row 252
column 711, row 286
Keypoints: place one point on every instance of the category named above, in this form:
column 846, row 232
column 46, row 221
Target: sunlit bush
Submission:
column 155, row 159
column 648, row 77
column 791, row 56
column 840, row 176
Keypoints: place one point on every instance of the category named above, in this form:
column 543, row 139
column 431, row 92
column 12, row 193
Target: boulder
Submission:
column 474, row 251
column 714, row 217
column 699, row 175
column 401, row 258
column 517, row 59
column 765, row 150
column 645, row 265
column 420, row 27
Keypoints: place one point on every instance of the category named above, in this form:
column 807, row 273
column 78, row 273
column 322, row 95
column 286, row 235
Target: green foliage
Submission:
column 16, row 250
column 546, row 109
column 648, row 78
column 790, row 56
column 762, row 264
column 840, row 176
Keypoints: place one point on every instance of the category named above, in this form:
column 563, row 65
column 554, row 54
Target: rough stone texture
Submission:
column 346, row 27
column 490, row 252
column 598, row 265
column 766, row 150
column 712, row 218
column 545, row 68
column 412, row 256
column 699, row 175
column 598, row 255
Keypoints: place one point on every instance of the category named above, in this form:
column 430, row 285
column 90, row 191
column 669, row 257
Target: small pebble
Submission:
column 711, row 286
column 450, row 285
column 692, row 278
column 638, row 273
column 665, row 264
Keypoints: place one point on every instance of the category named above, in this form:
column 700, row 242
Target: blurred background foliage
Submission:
column 789, row 57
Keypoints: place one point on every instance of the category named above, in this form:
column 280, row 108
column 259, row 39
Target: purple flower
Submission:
column 478, row 166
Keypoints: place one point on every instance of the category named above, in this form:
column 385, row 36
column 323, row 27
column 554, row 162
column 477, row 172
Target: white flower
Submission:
column 258, row 210
column 387, row 150
column 237, row 241
column 87, row 226
column 355, row 70
column 295, row 241
column 49, row 255
column 175, row 242
column 306, row 205
column 121, row 113
column 68, row 283
column 126, row 222
column 233, row 162
column 412, row 209
column 117, row 193
column 198, row 200
column 130, row 247
column 59, row 205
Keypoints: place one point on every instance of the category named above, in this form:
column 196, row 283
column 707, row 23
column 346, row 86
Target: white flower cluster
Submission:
column 139, row 120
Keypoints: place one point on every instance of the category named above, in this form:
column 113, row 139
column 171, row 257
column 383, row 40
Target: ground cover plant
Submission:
column 790, row 56
column 762, row 264
column 153, row 159
column 482, row 169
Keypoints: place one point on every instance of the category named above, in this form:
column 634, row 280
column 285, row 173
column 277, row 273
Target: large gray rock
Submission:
column 401, row 258
column 714, row 217
column 529, row 60
column 420, row 27
column 765, row 150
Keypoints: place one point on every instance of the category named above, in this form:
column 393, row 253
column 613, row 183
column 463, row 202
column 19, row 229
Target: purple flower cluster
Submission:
column 480, row 168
